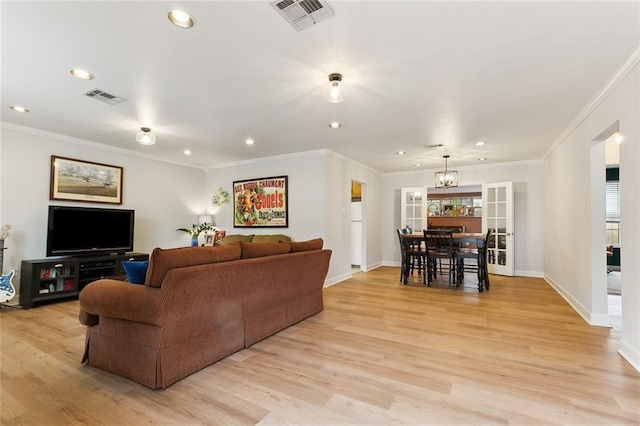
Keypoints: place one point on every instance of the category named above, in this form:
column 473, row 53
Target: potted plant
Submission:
column 195, row 232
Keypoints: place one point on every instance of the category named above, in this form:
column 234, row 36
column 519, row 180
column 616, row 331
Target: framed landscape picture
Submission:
column 261, row 203
column 78, row 180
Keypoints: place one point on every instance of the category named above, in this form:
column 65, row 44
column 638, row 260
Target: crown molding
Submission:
column 475, row 166
column 613, row 81
column 297, row 155
column 96, row 145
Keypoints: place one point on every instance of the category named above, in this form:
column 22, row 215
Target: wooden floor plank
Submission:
column 380, row 353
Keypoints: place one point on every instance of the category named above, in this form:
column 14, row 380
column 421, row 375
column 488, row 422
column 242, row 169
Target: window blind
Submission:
column 613, row 201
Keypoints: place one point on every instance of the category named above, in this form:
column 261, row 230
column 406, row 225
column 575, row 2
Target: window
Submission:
column 612, row 206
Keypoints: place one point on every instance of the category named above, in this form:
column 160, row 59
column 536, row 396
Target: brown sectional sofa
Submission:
column 199, row 305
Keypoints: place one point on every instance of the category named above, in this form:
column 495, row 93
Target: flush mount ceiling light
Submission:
column 82, row 74
column 180, row 19
column 145, row 137
column 18, row 108
column 334, row 96
column 446, row 178
column 401, row 152
column 335, row 125
column 187, row 152
column 480, row 143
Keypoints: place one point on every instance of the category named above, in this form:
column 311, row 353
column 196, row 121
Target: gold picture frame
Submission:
column 79, row 180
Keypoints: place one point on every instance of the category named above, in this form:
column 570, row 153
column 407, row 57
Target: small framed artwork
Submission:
column 261, row 203
column 78, row 180
column 208, row 239
column 470, row 211
column 218, row 235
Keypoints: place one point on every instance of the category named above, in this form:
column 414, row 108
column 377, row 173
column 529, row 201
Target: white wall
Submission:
column 164, row 196
column 319, row 201
column 572, row 241
column 529, row 200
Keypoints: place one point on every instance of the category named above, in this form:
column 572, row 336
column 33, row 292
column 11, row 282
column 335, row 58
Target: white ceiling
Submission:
column 415, row 73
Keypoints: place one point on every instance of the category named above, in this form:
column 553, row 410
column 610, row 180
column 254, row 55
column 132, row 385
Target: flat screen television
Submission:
column 84, row 231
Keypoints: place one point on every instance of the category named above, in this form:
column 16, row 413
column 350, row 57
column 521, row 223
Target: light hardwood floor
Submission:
column 380, row 353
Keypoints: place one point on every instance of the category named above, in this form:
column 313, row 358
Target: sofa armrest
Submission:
column 118, row 299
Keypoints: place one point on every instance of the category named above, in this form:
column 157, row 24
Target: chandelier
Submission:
column 446, row 178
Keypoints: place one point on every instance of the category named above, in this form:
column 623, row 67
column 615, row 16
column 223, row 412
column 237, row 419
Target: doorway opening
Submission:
column 612, row 215
column 606, row 285
column 357, row 227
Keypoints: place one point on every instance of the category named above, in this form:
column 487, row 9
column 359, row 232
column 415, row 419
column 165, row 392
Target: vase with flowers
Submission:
column 195, row 232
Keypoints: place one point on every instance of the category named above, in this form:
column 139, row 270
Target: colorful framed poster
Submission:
column 78, row 180
column 261, row 203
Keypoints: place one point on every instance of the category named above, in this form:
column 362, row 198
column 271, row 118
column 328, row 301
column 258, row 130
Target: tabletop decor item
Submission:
column 78, row 180
column 195, row 232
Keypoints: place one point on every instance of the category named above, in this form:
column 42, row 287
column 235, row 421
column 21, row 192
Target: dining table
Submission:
column 464, row 239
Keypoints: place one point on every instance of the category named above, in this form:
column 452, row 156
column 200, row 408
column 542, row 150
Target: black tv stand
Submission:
column 62, row 277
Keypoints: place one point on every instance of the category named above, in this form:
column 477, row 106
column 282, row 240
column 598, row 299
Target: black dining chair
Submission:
column 440, row 251
column 411, row 256
column 473, row 260
column 483, row 260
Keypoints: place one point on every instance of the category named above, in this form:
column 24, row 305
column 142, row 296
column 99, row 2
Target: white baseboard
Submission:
column 335, row 280
column 531, row 274
column 598, row 320
column 627, row 352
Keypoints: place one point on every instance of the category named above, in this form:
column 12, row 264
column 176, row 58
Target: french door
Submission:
column 413, row 212
column 497, row 199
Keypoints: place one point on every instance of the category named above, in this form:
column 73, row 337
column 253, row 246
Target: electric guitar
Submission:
column 7, row 290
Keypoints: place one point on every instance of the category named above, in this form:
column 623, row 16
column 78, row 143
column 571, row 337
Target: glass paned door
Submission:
column 498, row 216
column 413, row 212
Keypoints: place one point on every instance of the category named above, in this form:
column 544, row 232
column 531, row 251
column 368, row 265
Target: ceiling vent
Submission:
column 302, row 14
column 102, row 96
column 432, row 146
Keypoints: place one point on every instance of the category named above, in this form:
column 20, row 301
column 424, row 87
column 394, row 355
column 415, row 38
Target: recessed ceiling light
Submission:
column 401, row 152
column 482, row 158
column 249, row 142
column 335, row 125
column 187, row 152
column 480, row 143
column 18, row 108
column 82, row 74
column 418, row 165
column 180, row 18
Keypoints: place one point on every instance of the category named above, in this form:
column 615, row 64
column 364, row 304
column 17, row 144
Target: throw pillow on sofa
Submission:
column 315, row 244
column 271, row 238
column 136, row 270
column 235, row 238
column 251, row 250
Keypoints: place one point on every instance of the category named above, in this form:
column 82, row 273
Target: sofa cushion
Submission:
column 315, row 244
column 236, row 238
column 136, row 270
column 251, row 250
column 273, row 238
column 161, row 261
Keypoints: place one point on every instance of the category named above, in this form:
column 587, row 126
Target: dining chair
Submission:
column 411, row 256
column 417, row 247
column 440, row 250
